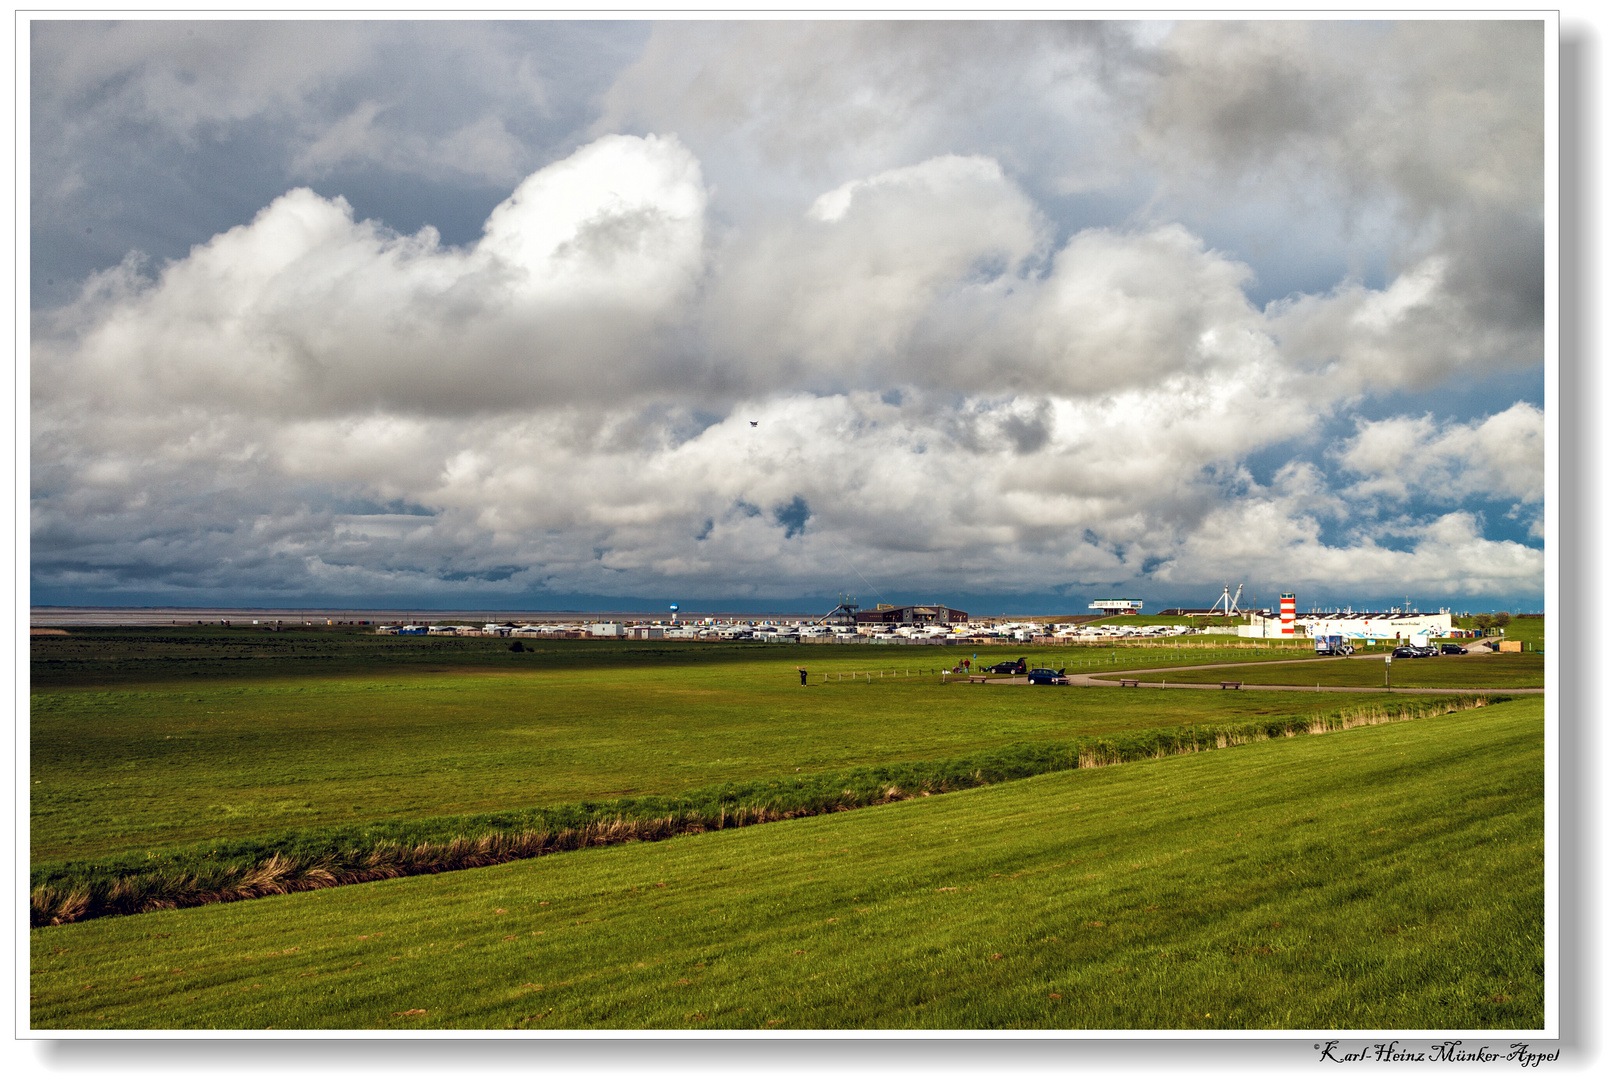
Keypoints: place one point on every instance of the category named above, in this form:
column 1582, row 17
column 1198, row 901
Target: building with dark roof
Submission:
column 910, row 615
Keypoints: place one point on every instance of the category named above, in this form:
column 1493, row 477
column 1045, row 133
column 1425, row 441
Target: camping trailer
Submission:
column 1333, row 645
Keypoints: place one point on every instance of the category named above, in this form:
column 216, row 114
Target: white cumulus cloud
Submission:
column 1502, row 456
column 307, row 310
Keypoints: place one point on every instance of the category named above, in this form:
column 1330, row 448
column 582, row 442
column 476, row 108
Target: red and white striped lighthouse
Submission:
column 1286, row 606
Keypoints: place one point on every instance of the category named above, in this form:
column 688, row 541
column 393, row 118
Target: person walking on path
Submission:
column 804, row 677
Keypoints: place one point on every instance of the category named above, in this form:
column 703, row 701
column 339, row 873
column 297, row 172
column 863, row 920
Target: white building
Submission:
column 1356, row 625
column 1117, row 607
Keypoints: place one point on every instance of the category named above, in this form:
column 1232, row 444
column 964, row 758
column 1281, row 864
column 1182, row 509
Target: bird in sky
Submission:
column 753, row 423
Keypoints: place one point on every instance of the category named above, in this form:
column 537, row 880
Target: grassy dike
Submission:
column 1384, row 876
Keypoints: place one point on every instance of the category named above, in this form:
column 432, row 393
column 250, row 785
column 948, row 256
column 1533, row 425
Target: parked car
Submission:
column 1405, row 652
column 1448, row 649
column 1045, row 676
column 1008, row 667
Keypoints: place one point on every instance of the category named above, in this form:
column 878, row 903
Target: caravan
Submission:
column 1333, row 645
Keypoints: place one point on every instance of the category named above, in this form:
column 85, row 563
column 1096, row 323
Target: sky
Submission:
column 748, row 315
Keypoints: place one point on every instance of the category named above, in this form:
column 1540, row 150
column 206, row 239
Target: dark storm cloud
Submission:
column 1425, row 135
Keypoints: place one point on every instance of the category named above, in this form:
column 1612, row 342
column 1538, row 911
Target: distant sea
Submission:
column 237, row 616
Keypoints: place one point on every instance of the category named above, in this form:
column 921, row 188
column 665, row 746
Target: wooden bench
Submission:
column 1129, row 682
column 978, row 678
column 1231, row 686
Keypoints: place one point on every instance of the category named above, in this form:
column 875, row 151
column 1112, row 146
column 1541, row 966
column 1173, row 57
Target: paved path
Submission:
column 1334, row 689
column 1111, row 679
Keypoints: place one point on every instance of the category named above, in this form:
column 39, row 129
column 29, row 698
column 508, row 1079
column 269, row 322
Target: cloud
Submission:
column 801, row 105
column 519, row 396
column 186, row 76
column 905, row 496
column 157, row 135
column 594, row 282
column 447, row 99
column 1501, row 456
column 483, row 148
column 1444, row 115
column 1414, row 334
column 1427, row 136
column 961, row 376
column 306, row 310
column 837, row 296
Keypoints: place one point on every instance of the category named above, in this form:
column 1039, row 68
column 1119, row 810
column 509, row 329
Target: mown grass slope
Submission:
column 1381, row 877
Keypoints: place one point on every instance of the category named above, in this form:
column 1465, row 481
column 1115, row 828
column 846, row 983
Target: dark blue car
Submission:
column 1045, row 676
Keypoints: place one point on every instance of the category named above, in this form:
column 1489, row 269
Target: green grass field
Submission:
column 1331, row 880
column 1381, row 877
column 1530, row 630
column 154, row 657
column 152, row 765
column 159, row 656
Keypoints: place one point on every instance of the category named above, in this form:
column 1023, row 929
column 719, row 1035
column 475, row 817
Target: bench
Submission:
column 1128, row 682
column 978, row 678
column 1231, row 686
